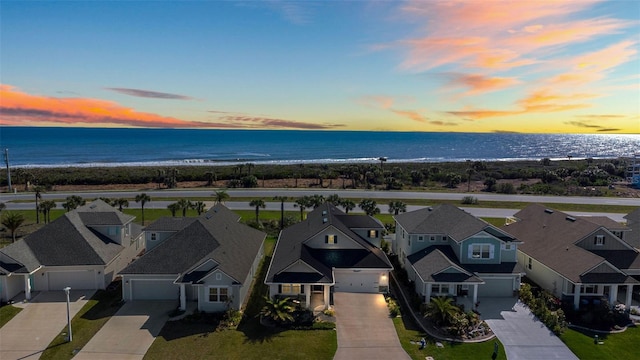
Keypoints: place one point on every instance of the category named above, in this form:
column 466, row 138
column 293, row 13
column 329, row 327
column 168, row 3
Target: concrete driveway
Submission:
column 523, row 336
column 364, row 328
column 29, row 333
column 130, row 332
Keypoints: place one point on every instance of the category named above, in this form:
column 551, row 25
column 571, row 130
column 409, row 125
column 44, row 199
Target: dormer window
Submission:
column 154, row 236
column 331, row 239
column 373, row 234
column 432, row 238
column 421, row 238
column 599, row 240
column 444, row 238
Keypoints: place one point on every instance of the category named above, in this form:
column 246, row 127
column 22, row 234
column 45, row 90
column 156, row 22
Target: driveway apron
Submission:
column 525, row 338
column 130, row 332
column 29, row 333
column 364, row 328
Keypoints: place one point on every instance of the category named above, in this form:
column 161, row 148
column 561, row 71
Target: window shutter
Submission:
column 595, row 240
column 470, row 251
column 326, row 239
column 335, row 239
column 279, row 289
column 301, row 288
column 491, row 251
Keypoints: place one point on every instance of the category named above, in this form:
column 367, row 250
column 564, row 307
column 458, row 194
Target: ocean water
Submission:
column 53, row 147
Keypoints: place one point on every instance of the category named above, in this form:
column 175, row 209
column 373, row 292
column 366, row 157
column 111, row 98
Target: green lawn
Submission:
column 93, row 315
column 7, row 313
column 408, row 331
column 624, row 345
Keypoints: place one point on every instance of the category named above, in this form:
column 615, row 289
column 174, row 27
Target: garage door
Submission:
column 77, row 280
column 496, row 287
column 155, row 290
column 354, row 281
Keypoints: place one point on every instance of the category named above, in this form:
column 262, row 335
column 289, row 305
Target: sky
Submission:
column 469, row 66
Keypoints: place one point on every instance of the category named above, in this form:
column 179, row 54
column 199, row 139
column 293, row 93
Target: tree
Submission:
column 278, row 311
column 121, row 202
column 46, row 207
column 199, row 206
column 173, row 207
column 316, row 200
column 348, row 205
column 37, row 191
column 3, row 206
column 490, row 184
column 220, row 196
column 442, row 310
column 382, row 159
column 258, row 204
column 72, row 202
column 302, row 203
column 396, row 207
column 282, row 199
column 210, row 176
column 333, row 199
column 370, row 207
column 469, row 172
column 12, row 221
column 184, row 205
column 142, row 198
column 453, row 180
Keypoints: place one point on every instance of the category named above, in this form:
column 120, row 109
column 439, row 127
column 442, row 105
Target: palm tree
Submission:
column 199, row 206
column 348, row 205
column 46, row 207
column 3, row 206
column 73, row 202
column 370, row 207
column 142, row 199
column 396, row 207
column 442, row 310
column 12, row 221
column 279, row 311
column 282, row 199
column 220, row 196
column 121, row 202
column 469, row 172
column 210, row 176
column 302, row 203
column 38, row 190
column 316, row 200
column 382, row 159
column 184, row 205
column 333, row 199
column 173, row 207
column 258, row 203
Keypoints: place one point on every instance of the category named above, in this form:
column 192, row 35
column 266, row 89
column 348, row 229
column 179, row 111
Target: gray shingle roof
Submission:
column 290, row 247
column 447, row 220
column 633, row 216
column 170, row 224
column 215, row 235
column 605, row 222
column 550, row 237
column 69, row 241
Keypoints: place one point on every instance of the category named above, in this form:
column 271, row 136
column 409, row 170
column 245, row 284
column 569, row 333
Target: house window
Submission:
column 432, row 238
column 599, row 240
column 507, row 246
column 445, row 238
column 439, row 288
column 373, row 234
column 589, row 289
column 331, row 239
column 126, row 230
column 421, row 238
column 481, row 251
column 218, row 294
column 218, row 276
column 154, row 236
column 409, row 240
column 291, row 289
column 530, row 264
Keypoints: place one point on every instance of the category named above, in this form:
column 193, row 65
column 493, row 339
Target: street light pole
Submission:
column 66, row 290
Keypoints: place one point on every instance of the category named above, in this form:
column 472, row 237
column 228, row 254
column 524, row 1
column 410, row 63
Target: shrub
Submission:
column 506, row 188
column 470, row 200
column 394, row 308
column 323, row 325
column 329, row 312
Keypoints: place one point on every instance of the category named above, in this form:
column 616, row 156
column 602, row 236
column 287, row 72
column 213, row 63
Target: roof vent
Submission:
column 548, row 211
column 570, row 218
column 92, row 206
column 430, row 208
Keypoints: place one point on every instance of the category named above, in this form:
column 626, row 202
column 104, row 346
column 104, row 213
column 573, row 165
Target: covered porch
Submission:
column 584, row 294
column 462, row 293
column 315, row 297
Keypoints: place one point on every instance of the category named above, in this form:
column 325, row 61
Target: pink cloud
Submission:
column 477, row 83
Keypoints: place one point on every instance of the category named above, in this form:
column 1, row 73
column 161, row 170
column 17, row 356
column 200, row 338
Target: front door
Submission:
column 317, row 289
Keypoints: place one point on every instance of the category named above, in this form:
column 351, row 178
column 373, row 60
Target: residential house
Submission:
column 633, row 223
column 328, row 251
column 83, row 249
column 576, row 258
column 211, row 260
column 449, row 252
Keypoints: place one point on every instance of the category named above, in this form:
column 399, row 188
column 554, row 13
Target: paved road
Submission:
column 525, row 338
column 129, row 333
column 29, row 333
column 364, row 328
column 294, row 193
column 384, row 209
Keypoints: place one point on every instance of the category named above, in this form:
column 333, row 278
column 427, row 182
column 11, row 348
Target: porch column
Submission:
column 576, row 297
column 183, row 298
column 428, row 293
column 475, row 295
column 629, row 292
column 326, row 292
column 307, row 293
column 613, row 294
column 27, row 287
